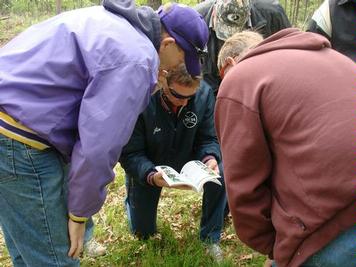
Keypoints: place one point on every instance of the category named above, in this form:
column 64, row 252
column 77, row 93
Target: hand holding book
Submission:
column 213, row 165
column 161, row 182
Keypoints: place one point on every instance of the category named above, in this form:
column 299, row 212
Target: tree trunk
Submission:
column 306, row 4
column 296, row 15
column 155, row 4
column 58, row 6
column 291, row 11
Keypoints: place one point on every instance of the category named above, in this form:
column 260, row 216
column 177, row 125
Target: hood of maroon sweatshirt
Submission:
column 290, row 38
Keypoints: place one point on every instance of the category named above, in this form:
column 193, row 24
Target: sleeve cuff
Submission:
column 207, row 158
column 77, row 219
column 149, row 178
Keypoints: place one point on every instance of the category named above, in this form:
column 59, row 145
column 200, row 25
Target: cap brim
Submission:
column 191, row 58
column 192, row 63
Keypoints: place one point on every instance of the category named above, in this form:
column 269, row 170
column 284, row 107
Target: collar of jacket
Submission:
column 168, row 106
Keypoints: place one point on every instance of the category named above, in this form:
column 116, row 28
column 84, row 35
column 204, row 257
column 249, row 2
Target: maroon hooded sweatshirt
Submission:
column 286, row 120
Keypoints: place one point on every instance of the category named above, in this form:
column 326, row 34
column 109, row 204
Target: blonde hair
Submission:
column 238, row 45
column 181, row 76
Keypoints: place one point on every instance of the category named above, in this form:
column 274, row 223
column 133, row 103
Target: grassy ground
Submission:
column 11, row 25
column 177, row 243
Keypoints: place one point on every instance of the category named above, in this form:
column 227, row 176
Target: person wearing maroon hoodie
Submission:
column 286, row 121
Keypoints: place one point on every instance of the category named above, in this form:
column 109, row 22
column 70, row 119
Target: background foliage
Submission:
column 299, row 11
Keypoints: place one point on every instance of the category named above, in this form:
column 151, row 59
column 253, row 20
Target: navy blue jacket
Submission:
column 161, row 137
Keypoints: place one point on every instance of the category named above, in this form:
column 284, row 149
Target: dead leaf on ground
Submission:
column 246, row 257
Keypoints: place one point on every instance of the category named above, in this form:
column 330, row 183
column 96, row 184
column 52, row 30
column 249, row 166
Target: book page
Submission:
column 195, row 171
column 207, row 179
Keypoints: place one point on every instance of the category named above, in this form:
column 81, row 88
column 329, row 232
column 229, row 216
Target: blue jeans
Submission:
column 33, row 213
column 141, row 207
column 89, row 230
column 341, row 252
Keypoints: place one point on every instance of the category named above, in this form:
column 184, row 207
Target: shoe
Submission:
column 215, row 252
column 94, row 249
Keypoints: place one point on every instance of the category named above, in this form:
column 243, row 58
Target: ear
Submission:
column 166, row 41
column 231, row 61
column 162, row 81
column 213, row 15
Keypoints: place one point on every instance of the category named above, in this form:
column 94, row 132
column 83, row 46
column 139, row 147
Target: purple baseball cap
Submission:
column 189, row 30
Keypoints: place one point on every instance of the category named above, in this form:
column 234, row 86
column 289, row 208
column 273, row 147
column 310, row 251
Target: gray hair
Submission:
column 238, row 45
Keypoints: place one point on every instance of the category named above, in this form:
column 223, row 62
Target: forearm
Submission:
column 139, row 167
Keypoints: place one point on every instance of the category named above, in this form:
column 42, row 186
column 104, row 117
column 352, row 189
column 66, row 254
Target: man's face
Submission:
column 170, row 54
column 179, row 95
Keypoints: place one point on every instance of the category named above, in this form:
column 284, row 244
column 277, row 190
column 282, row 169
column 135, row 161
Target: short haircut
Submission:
column 181, row 76
column 237, row 45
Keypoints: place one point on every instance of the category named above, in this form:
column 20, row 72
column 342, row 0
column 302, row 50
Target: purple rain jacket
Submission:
column 80, row 80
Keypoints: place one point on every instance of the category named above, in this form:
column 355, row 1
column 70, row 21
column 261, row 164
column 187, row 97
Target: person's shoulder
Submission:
column 204, row 7
column 205, row 88
column 265, row 2
column 267, row 6
column 153, row 104
column 204, row 94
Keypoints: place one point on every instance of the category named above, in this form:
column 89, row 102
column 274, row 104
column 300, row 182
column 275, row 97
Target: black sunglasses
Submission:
column 179, row 96
column 201, row 52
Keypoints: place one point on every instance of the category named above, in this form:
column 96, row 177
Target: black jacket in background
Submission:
column 162, row 138
column 267, row 17
column 343, row 27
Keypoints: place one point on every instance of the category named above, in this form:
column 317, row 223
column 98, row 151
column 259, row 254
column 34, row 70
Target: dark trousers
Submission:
column 142, row 201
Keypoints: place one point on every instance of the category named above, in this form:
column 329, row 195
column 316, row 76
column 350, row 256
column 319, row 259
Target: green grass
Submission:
column 176, row 244
column 11, row 25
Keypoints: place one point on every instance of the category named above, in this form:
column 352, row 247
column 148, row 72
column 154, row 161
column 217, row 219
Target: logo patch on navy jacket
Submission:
column 190, row 119
column 156, row 130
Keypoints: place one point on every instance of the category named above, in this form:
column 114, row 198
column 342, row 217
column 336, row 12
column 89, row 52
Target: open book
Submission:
column 194, row 174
